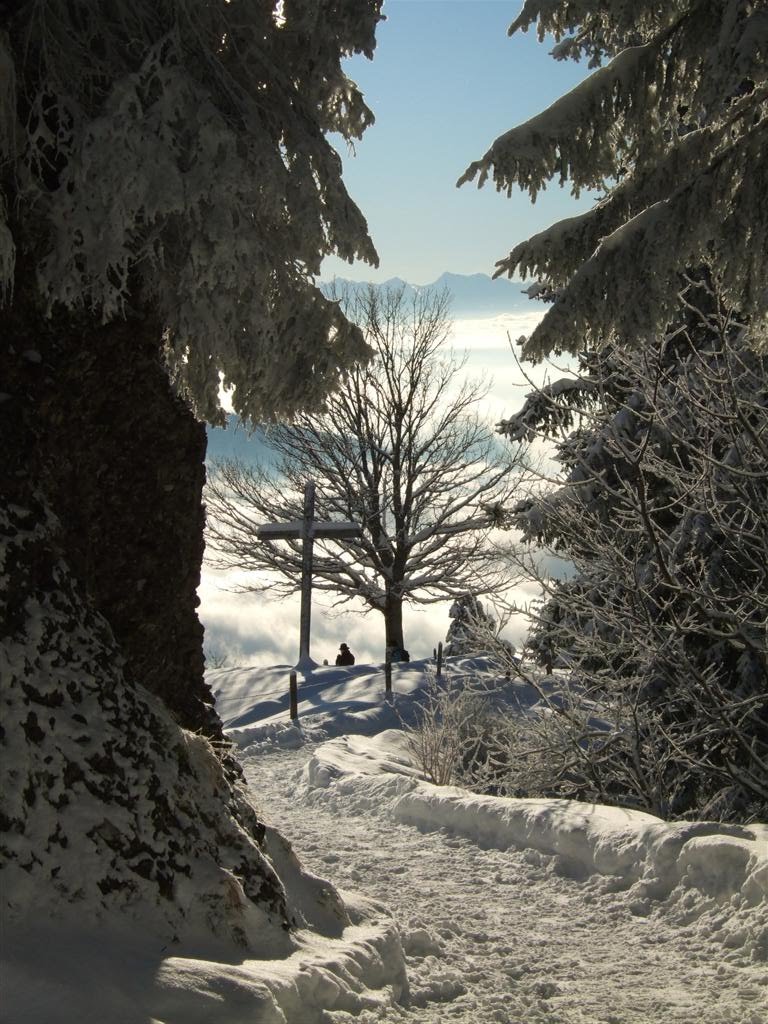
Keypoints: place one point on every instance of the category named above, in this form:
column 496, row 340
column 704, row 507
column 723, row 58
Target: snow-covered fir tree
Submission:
column 469, row 623
column 671, row 130
column 176, row 154
column 662, row 511
column 662, row 450
column 167, row 193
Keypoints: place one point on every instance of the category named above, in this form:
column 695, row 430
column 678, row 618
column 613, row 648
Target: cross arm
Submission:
column 335, row 530
column 281, row 531
column 296, row 529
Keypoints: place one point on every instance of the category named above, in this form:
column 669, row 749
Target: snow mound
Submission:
column 131, row 852
column 361, row 970
column 589, row 839
column 336, row 701
column 358, row 773
column 699, row 870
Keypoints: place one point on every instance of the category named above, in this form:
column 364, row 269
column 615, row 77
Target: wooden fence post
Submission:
column 293, row 695
column 440, row 660
column 388, row 674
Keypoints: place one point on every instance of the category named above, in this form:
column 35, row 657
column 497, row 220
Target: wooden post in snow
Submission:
column 440, row 660
column 293, row 697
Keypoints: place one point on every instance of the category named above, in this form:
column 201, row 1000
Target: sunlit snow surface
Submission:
column 500, row 910
column 509, row 910
column 369, row 754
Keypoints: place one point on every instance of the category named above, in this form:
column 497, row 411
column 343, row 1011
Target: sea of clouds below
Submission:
column 257, row 629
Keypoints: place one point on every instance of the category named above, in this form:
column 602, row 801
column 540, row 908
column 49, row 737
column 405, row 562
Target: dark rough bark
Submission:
column 91, row 418
column 106, row 804
column 393, row 620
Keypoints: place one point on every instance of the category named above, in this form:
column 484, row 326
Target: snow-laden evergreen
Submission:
column 662, row 511
column 168, row 193
column 469, row 621
column 174, row 154
column 672, row 129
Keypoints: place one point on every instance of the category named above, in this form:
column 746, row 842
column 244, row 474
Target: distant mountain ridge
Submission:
column 472, row 294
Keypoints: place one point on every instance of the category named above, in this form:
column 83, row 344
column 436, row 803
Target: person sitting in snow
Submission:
column 345, row 656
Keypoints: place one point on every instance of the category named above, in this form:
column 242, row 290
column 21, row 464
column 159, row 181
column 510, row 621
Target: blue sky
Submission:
column 445, row 81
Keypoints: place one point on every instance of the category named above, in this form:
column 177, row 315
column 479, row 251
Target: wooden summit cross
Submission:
column 307, row 529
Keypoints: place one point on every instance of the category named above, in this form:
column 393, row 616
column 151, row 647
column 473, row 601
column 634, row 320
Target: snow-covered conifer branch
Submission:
column 582, row 137
column 175, row 157
column 674, row 128
column 550, row 408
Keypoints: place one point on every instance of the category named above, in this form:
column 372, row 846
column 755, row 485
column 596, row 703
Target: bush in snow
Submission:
column 663, row 512
column 439, row 739
column 465, row 735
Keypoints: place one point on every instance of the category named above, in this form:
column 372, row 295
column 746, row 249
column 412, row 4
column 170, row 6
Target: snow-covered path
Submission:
column 499, row 936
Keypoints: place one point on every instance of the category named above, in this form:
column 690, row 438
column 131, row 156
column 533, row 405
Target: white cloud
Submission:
column 493, row 331
column 490, row 347
column 260, row 630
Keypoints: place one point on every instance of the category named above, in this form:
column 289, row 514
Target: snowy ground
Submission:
column 460, row 908
column 509, row 910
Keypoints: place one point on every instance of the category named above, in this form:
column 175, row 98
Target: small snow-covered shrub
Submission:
column 435, row 739
column 473, row 734
column 466, row 735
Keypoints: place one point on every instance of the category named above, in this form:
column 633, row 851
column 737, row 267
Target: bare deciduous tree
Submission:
column 402, row 452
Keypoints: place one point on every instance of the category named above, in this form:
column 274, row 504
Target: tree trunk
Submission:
column 90, row 421
column 393, row 620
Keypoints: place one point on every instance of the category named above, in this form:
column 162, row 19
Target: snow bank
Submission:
column 332, row 701
column 139, row 984
column 698, row 868
column 335, row 701
column 690, row 871
column 719, row 860
column 360, row 771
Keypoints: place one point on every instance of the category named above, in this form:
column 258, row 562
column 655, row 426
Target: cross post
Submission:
column 307, row 529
